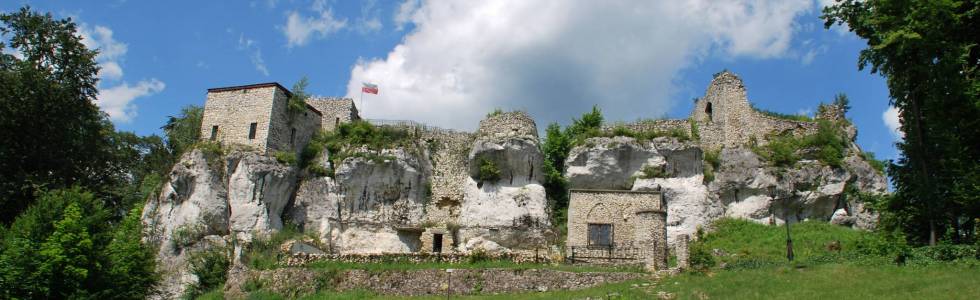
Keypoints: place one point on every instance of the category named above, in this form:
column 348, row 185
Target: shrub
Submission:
column 878, row 165
column 653, row 172
column 495, row 112
column 285, row 157
column 695, row 131
column 211, row 268
column 263, row 254
column 488, row 171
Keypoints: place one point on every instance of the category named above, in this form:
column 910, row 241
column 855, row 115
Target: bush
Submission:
column 495, row 112
column 211, row 268
column 653, row 172
column 695, row 131
column 878, row 165
column 488, row 171
column 285, row 157
column 264, row 252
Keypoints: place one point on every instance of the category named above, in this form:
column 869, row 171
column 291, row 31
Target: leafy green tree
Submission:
column 928, row 51
column 184, row 130
column 66, row 255
column 841, row 100
column 50, row 251
column 53, row 134
column 297, row 103
column 588, row 125
column 132, row 266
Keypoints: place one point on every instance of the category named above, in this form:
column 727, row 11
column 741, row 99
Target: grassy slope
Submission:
column 817, row 273
column 757, row 270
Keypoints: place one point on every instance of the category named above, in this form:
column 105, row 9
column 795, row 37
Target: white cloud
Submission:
column 893, row 122
column 558, row 57
column 110, row 50
column 117, row 100
column 369, row 21
column 299, row 29
column 812, row 53
column 405, row 12
column 254, row 53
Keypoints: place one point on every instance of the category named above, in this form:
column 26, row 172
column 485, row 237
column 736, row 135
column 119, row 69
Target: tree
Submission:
column 928, row 51
column 52, row 133
column 184, row 130
column 297, row 102
column 65, row 256
column 840, row 100
column 132, row 265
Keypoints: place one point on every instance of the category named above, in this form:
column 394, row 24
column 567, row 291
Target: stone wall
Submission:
column 638, row 220
column 507, row 124
column 335, row 111
column 726, row 119
column 234, row 109
column 448, row 152
column 291, row 131
column 652, row 125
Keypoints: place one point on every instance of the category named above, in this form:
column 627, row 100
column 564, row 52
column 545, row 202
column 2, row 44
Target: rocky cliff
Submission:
column 390, row 200
column 744, row 185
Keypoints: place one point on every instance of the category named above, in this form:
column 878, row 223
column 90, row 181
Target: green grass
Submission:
column 830, row 281
column 756, row 267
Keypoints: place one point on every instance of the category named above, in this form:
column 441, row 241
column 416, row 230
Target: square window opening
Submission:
column 251, row 130
column 600, row 235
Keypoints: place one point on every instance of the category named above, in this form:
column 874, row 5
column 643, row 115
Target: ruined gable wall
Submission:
column 335, row 111
column 233, row 111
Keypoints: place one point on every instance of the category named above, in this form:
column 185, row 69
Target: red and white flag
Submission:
column 369, row 88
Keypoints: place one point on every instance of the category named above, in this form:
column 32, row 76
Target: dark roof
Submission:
column 262, row 85
column 252, row 86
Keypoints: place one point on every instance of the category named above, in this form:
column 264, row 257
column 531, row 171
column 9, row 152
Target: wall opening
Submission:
column 336, row 123
column 708, row 111
column 600, row 235
column 292, row 136
column 251, row 130
column 437, row 242
column 214, row 132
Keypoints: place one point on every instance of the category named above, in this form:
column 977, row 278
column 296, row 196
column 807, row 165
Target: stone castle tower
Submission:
column 256, row 116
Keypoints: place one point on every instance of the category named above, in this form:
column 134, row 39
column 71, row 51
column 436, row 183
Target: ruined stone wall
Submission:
column 726, row 119
column 508, row 124
column 448, row 150
column 282, row 124
column 335, row 111
column 233, row 111
column 638, row 218
column 652, row 125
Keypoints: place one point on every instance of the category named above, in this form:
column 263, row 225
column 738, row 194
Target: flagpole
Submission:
column 362, row 102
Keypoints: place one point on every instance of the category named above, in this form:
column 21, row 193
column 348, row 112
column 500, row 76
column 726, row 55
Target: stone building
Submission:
column 256, row 116
column 618, row 224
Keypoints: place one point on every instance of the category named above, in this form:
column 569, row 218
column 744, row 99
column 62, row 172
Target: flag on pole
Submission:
column 369, row 88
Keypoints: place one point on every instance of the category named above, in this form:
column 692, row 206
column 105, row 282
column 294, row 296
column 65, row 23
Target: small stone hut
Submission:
column 618, row 226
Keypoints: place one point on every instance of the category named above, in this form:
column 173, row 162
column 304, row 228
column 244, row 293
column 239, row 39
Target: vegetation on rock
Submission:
column 354, row 139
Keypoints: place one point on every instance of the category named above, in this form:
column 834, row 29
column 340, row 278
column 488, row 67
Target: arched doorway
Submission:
column 707, row 110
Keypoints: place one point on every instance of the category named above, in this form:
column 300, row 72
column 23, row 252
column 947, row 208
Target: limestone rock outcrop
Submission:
column 210, row 200
column 744, row 185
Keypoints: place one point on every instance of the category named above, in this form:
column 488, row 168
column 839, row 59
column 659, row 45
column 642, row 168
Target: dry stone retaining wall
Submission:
column 507, row 124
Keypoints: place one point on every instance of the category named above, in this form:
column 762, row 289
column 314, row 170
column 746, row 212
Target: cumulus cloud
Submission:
column 300, row 29
column 254, row 53
column 555, row 57
column 893, row 122
column 111, row 51
column 369, row 21
column 404, row 13
column 117, row 100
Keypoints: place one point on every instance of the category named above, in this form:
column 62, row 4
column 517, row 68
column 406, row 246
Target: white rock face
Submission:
column 741, row 188
column 512, row 212
column 192, row 208
column 200, row 206
column 688, row 204
column 258, row 190
column 371, row 198
column 610, row 163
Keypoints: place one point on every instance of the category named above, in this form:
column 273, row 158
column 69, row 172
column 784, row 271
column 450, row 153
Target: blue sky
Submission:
column 447, row 63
